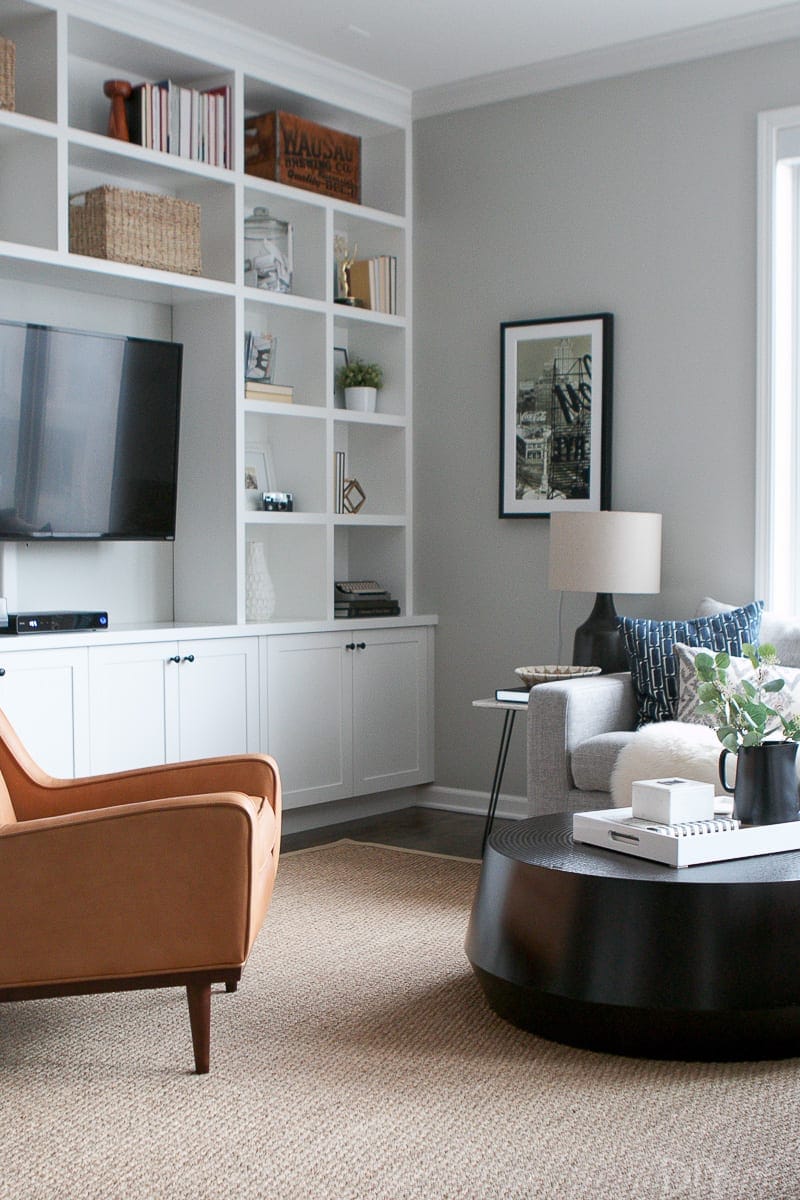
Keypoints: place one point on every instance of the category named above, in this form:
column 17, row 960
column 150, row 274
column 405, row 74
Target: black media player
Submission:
column 54, row 622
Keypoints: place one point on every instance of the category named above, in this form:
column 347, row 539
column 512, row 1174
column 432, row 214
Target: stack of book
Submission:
column 373, row 282
column 377, row 603
column 283, row 393
column 181, row 120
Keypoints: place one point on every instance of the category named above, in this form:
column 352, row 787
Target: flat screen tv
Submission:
column 88, row 435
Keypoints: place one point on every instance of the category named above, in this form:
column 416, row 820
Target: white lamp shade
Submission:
column 605, row 552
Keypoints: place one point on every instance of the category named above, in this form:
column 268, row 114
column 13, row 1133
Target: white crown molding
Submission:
column 702, row 41
column 192, row 31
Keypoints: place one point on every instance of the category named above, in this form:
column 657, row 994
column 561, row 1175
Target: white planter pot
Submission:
column 360, row 399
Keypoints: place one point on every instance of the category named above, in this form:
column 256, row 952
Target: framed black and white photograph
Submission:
column 555, row 415
column 340, row 359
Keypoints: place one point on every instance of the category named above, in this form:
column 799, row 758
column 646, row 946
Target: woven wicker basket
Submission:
column 8, row 56
column 136, row 227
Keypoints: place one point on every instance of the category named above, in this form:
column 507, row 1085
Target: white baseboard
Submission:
column 315, row 816
column 511, row 808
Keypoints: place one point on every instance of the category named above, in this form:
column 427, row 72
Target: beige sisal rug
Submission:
column 358, row 1061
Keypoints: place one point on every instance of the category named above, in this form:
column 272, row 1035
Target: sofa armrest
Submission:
column 561, row 716
column 146, row 888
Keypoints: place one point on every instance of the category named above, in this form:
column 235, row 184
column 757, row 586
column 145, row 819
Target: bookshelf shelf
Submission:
column 56, row 144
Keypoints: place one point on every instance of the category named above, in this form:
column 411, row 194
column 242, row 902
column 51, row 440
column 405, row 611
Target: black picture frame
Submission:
column 340, row 359
column 555, row 414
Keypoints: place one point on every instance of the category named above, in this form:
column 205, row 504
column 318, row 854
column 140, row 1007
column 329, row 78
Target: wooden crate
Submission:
column 142, row 228
column 303, row 154
column 8, row 55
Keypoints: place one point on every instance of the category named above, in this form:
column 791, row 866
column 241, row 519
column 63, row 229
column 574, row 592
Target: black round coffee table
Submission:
column 606, row 951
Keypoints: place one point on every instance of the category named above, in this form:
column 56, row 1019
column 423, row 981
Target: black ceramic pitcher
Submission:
column 766, row 783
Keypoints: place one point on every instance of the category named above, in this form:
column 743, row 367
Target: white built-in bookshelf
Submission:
column 55, row 145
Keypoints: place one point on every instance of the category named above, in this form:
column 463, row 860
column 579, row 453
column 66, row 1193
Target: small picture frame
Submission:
column 340, row 359
column 259, row 357
column 257, row 474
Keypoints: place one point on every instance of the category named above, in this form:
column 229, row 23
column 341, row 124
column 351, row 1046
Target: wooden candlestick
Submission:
column 118, row 91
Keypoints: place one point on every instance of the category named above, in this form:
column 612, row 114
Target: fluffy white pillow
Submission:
column 781, row 632
column 662, row 749
column 787, row 700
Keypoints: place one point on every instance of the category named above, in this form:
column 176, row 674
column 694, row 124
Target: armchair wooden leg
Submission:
column 199, row 998
column 231, row 985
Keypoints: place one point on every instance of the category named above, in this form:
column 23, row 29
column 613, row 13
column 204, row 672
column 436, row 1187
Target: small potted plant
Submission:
column 753, row 723
column 360, row 382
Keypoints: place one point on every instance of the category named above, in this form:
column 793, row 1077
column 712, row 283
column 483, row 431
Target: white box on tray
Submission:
column 670, row 801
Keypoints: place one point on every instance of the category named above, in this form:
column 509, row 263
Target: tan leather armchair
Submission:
column 159, row 877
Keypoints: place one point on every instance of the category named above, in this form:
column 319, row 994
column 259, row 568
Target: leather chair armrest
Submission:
column 252, row 774
column 142, row 888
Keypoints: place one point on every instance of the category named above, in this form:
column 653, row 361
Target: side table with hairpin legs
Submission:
column 510, row 708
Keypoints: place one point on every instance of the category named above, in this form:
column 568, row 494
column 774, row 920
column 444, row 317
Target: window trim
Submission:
column 770, row 127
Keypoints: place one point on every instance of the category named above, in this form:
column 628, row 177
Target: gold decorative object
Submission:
column 352, row 488
column 344, row 261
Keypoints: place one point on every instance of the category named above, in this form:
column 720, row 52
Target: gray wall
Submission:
column 635, row 196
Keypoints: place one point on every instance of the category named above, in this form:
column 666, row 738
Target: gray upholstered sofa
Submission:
column 577, row 729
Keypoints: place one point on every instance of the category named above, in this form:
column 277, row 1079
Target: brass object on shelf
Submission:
column 354, row 496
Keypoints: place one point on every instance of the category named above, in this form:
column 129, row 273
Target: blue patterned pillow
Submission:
column 654, row 665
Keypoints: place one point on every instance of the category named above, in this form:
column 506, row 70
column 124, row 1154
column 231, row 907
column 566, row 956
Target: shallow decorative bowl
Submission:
column 532, row 675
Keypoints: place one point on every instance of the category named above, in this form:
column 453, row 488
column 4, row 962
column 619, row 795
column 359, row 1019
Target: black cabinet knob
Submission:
column 350, row 646
column 188, row 658
column 176, row 658
column 2, row 670
column 361, row 646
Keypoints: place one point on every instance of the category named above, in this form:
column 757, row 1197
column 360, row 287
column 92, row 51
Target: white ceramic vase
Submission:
column 259, row 592
column 360, row 399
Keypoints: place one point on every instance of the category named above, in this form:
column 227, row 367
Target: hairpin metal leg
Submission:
column 500, row 766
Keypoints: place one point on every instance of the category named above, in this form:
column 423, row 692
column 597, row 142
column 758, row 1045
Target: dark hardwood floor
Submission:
column 414, row 828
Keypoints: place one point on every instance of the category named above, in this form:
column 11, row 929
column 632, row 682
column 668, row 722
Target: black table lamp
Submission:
column 604, row 552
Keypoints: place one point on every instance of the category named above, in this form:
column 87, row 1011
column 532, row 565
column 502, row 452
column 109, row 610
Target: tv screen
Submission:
column 88, row 434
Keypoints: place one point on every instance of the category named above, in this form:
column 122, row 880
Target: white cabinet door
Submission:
column 348, row 713
column 390, row 709
column 157, row 702
column 44, row 694
column 134, row 691
column 218, row 697
column 309, row 716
